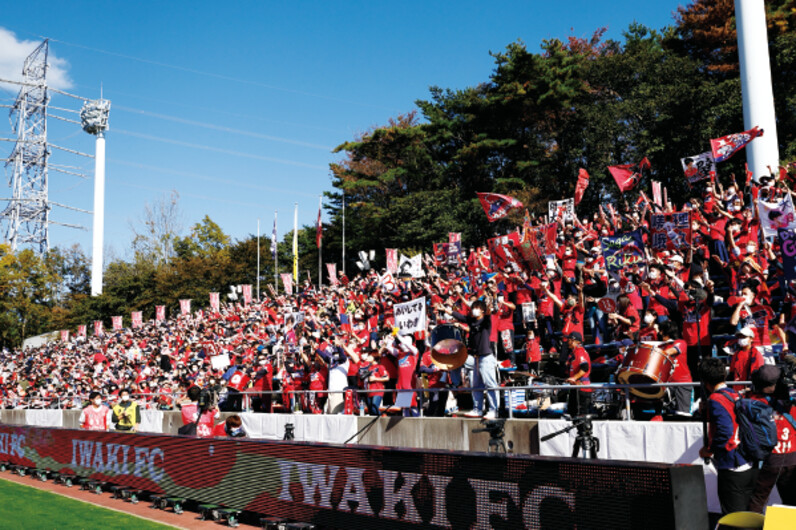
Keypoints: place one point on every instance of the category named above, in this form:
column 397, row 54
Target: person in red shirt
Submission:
column 751, row 312
column 746, row 358
column 376, row 378
column 677, row 350
column 625, row 320
column 96, row 416
column 779, row 468
column 579, row 370
column 232, row 427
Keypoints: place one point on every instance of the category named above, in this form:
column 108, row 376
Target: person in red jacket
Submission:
column 579, row 370
column 232, row 427
column 746, row 358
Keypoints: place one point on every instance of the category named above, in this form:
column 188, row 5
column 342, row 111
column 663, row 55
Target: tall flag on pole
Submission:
column 726, row 146
column 319, row 227
column 287, row 280
column 136, row 319
column 160, row 313
column 295, row 244
column 583, row 183
column 497, row 206
column 273, row 239
column 628, row 175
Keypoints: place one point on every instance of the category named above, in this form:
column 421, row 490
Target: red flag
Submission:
column 98, row 327
column 497, row 206
column 160, row 313
column 215, row 302
column 81, row 331
column 331, row 270
column 247, row 293
column 117, row 322
column 136, row 319
column 583, row 183
column 628, row 175
column 287, row 279
column 64, row 335
column 726, row 146
column 185, row 306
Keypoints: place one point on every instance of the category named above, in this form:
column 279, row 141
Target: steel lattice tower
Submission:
column 27, row 215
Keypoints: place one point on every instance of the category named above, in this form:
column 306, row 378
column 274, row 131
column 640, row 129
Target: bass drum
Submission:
column 448, row 350
column 647, row 364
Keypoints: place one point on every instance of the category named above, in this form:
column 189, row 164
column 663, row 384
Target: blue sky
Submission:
column 237, row 105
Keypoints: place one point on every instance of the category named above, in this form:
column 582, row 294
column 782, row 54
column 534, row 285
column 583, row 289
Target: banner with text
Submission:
column 410, row 317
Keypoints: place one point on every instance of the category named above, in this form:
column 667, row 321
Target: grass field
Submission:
column 24, row 507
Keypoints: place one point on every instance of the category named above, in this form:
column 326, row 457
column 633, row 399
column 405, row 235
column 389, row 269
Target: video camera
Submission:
column 495, row 428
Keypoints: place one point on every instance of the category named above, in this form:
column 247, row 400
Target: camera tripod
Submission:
column 586, row 444
column 496, row 433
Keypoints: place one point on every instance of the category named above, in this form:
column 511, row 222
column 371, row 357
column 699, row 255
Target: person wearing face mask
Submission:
column 745, row 358
column 126, row 413
column 751, row 313
column 479, row 346
column 96, row 416
column 649, row 330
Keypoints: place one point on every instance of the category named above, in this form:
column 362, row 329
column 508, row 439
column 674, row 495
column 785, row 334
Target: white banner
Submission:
column 776, row 215
column 219, row 362
column 215, row 302
column 565, row 210
column 185, row 306
column 410, row 317
column 411, row 266
column 698, row 167
column 388, row 282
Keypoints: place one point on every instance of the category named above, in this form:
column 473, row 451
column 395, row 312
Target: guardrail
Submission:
column 149, row 400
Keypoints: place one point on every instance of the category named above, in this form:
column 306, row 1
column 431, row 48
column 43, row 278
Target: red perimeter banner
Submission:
column 369, row 487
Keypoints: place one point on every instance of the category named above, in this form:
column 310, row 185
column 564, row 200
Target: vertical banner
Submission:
column 185, row 306
column 787, row 240
column 136, row 319
column 331, row 270
column 657, row 195
column 160, row 313
column 287, row 279
column 97, row 328
column 454, row 248
column 247, row 294
column 81, row 330
column 64, row 335
column 392, row 260
column 624, row 252
column 215, row 302
column 410, row 317
column 388, row 282
column 698, row 167
column 116, row 322
column 671, row 231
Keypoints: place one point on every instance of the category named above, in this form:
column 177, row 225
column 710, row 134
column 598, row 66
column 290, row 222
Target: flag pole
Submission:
column 343, row 232
column 276, row 255
column 320, row 243
column 295, row 246
column 258, row 259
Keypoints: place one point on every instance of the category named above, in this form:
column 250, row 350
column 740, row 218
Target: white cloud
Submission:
column 12, row 56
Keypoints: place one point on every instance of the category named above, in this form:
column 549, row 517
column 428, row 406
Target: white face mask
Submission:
column 477, row 313
column 97, row 402
column 743, row 342
column 750, row 249
column 654, row 274
column 649, row 319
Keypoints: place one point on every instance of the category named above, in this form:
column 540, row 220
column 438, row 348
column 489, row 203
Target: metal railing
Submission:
column 149, row 399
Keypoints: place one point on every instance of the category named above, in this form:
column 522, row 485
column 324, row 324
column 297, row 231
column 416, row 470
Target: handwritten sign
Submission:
column 410, row 317
column 624, row 252
column 670, row 231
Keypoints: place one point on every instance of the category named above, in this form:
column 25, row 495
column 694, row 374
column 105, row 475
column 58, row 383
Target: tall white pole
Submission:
column 320, row 244
column 758, row 95
column 343, row 233
column 99, row 215
column 258, row 259
column 295, row 247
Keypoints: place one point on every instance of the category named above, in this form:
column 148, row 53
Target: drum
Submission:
column 647, row 364
column 448, row 350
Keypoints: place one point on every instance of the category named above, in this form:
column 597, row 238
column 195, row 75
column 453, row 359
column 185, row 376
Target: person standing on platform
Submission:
column 579, row 370
column 736, row 476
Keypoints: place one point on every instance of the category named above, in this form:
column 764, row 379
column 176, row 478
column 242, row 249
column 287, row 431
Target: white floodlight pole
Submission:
column 757, row 93
column 94, row 119
column 99, row 215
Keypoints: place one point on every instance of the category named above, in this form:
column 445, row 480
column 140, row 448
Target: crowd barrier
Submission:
column 368, row 487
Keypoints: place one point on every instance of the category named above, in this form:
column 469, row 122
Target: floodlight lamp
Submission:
column 94, row 116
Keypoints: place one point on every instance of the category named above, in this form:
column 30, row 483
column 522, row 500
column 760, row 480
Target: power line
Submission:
column 221, row 128
column 217, row 149
column 216, row 76
column 229, row 182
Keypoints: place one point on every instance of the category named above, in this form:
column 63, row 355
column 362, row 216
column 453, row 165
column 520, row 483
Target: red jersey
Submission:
column 681, row 373
column 95, row 419
column 579, row 360
column 407, row 362
column 744, row 362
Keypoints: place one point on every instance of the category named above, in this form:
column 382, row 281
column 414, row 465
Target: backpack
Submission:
column 757, row 431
